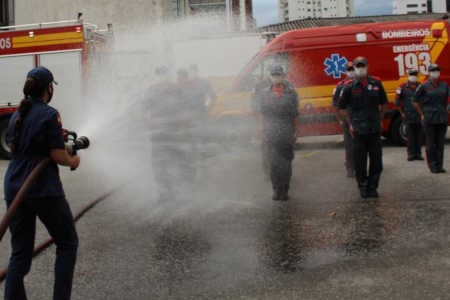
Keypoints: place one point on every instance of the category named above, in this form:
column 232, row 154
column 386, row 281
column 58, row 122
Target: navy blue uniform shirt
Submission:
column 260, row 87
column 166, row 104
column 279, row 113
column 337, row 91
column 363, row 104
column 41, row 131
column 434, row 100
column 403, row 97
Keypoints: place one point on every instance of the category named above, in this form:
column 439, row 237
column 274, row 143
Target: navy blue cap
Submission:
column 433, row 67
column 348, row 65
column 413, row 72
column 42, row 75
column 360, row 60
column 276, row 69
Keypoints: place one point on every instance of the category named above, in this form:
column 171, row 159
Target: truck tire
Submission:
column 234, row 133
column 398, row 131
column 5, row 149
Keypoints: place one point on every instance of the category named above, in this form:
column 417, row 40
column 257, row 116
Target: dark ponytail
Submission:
column 31, row 88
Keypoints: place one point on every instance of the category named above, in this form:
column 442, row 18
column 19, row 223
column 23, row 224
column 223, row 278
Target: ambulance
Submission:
column 314, row 61
column 74, row 51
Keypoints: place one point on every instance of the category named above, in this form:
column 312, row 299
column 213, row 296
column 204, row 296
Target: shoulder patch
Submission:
column 399, row 90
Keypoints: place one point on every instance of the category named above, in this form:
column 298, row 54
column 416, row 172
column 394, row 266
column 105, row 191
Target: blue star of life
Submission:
column 335, row 65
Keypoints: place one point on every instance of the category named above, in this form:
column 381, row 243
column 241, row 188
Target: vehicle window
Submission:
column 260, row 70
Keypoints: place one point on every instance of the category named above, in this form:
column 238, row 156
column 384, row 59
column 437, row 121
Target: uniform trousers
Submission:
column 265, row 158
column 55, row 214
column 414, row 132
column 281, row 154
column 435, row 138
column 168, row 161
column 348, row 143
column 363, row 145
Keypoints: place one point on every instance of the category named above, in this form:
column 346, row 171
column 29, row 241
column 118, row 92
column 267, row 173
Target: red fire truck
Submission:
column 72, row 50
column 314, row 62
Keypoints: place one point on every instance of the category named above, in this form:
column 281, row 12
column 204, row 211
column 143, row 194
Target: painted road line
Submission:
column 311, row 154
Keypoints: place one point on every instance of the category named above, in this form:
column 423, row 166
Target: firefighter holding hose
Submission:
column 36, row 132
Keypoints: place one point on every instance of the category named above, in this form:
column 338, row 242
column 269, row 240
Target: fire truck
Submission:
column 314, row 61
column 74, row 52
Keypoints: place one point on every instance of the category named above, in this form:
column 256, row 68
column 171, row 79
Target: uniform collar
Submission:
column 37, row 100
column 409, row 83
column 369, row 80
column 431, row 82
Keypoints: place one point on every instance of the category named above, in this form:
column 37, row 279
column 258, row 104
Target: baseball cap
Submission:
column 348, row 65
column 360, row 60
column 276, row 69
column 42, row 75
column 413, row 72
column 433, row 67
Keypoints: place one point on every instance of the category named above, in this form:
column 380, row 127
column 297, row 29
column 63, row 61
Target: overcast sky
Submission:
column 266, row 11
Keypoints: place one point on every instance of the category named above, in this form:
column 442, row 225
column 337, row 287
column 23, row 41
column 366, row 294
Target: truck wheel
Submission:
column 234, row 133
column 5, row 149
column 398, row 131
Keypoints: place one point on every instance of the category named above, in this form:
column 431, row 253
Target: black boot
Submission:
column 284, row 195
column 276, row 194
column 364, row 192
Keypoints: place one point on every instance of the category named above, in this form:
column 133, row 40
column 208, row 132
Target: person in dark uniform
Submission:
column 255, row 105
column 280, row 127
column 411, row 118
column 363, row 104
column 36, row 132
column 166, row 106
column 434, row 95
column 348, row 140
column 195, row 108
column 206, row 88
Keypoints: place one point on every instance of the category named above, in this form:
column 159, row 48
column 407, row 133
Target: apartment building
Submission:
column 290, row 10
column 412, row 7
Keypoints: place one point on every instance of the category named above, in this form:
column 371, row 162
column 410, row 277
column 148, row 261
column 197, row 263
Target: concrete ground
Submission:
column 225, row 238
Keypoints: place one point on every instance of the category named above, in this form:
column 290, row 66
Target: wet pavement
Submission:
column 225, row 238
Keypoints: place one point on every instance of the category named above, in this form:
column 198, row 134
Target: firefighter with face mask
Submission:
column 434, row 96
column 362, row 104
column 411, row 118
column 280, row 128
column 255, row 105
column 165, row 106
column 348, row 140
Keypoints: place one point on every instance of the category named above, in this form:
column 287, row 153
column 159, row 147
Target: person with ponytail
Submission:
column 36, row 132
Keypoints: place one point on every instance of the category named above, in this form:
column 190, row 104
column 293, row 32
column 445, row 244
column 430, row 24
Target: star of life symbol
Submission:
column 335, row 65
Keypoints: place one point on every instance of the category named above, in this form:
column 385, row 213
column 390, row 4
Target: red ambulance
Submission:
column 314, row 62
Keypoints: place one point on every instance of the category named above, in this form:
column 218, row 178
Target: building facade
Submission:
column 236, row 15
column 290, row 10
column 401, row 7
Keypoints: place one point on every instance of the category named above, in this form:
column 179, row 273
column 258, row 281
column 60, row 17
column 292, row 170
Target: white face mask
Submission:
column 351, row 74
column 412, row 78
column 277, row 79
column 161, row 79
column 361, row 72
column 435, row 74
